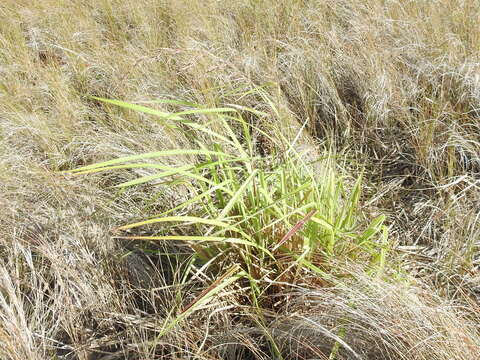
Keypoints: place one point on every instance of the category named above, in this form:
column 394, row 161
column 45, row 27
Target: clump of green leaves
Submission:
column 274, row 217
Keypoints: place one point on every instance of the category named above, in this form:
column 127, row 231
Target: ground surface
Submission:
column 390, row 88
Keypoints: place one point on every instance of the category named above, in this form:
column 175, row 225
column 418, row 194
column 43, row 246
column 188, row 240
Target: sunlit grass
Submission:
column 385, row 99
column 276, row 217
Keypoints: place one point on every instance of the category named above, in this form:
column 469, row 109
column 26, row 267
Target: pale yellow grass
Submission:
column 393, row 86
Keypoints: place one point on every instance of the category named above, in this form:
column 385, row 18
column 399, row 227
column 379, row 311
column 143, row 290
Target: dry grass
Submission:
column 392, row 86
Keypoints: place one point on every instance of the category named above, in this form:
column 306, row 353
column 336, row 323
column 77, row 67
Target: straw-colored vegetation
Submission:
column 239, row 179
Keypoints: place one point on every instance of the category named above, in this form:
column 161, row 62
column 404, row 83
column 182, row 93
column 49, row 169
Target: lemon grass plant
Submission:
column 272, row 217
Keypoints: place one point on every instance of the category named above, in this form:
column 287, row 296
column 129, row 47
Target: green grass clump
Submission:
column 274, row 217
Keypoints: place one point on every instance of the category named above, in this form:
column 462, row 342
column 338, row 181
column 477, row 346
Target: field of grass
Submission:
column 240, row 179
